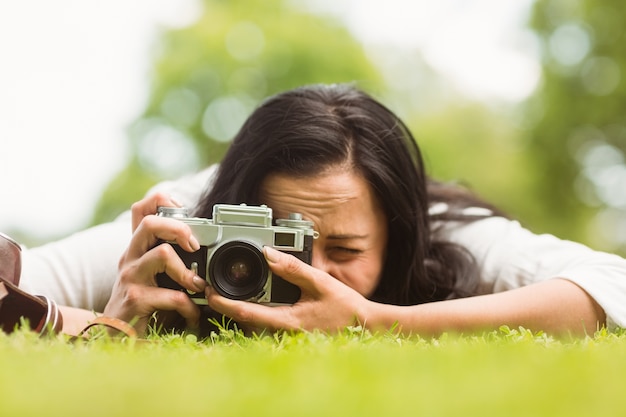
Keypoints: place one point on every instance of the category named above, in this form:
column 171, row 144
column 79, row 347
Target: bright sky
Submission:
column 73, row 75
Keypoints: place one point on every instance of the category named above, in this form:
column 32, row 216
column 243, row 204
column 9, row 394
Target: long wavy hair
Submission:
column 303, row 131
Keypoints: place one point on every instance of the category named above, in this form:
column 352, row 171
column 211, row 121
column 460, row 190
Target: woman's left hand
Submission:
column 326, row 303
column 136, row 295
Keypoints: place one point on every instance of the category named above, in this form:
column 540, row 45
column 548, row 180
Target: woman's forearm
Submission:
column 557, row 306
column 76, row 319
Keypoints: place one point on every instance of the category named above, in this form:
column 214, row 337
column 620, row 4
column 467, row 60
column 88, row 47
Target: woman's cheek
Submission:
column 363, row 277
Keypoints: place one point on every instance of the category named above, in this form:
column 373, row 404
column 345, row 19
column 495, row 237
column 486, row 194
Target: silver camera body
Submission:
column 230, row 257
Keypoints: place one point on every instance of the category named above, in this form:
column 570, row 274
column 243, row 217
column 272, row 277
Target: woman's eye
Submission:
column 346, row 251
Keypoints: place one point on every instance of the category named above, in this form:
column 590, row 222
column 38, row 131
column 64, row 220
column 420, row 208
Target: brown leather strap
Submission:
column 53, row 321
column 10, row 260
column 112, row 323
column 42, row 314
column 3, row 292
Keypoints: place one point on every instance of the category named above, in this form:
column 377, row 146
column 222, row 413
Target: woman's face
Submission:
column 351, row 224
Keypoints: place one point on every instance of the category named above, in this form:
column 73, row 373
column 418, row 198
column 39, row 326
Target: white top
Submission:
column 80, row 270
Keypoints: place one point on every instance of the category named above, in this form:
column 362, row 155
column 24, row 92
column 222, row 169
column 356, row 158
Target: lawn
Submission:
column 510, row 372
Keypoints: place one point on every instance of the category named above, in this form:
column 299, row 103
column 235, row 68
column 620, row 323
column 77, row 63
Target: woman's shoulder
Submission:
column 476, row 228
column 450, row 223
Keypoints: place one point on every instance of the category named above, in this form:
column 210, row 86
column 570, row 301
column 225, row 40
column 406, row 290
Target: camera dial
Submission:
column 295, row 220
column 173, row 212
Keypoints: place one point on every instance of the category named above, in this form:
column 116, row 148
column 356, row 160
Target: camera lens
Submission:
column 238, row 270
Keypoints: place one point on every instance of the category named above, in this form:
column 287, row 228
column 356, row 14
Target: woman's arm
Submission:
column 76, row 319
column 556, row 306
column 511, row 257
column 80, row 270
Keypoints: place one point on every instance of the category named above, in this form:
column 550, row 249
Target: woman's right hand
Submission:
column 136, row 296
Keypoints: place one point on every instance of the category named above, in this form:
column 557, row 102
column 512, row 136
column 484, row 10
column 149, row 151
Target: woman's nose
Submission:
column 320, row 261
column 316, row 260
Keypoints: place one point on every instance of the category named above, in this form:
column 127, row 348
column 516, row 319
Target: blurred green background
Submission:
column 555, row 161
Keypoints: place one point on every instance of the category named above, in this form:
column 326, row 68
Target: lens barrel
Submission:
column 238, row 270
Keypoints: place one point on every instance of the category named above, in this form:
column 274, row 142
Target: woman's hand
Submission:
column 325, row 304
column 135, row 295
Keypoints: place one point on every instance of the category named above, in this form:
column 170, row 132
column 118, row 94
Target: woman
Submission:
column 394, row 249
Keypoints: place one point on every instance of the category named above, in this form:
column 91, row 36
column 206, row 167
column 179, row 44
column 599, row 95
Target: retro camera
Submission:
column 230, row 257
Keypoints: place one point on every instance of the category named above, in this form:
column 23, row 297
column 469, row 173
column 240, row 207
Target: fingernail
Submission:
column 199, row 283
column 193, row 242
column 271, row 254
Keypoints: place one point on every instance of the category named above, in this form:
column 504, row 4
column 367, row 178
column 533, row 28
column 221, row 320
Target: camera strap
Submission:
column 17, row 306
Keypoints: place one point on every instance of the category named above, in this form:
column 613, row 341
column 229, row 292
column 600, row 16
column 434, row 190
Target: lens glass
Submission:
column 238, row 270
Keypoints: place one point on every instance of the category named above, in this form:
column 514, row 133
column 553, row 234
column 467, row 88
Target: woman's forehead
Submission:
column 336, row 201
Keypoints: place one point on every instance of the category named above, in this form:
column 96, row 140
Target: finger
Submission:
column 294, row 270
column 164, row 259
column 247, row 313
column 149, row 205
column 172, row 300
column 153, row 229
column 135, row 301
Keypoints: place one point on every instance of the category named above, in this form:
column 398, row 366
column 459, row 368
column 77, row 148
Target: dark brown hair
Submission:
column 306, row 130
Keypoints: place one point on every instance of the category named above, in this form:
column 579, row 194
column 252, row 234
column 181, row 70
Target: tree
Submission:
column 579, row 139
column 209, row 76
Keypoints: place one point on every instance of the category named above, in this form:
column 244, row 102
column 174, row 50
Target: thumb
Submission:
column 292, row 269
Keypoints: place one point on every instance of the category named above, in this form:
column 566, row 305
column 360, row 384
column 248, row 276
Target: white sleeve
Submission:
column 510, row 256
column 80, row 270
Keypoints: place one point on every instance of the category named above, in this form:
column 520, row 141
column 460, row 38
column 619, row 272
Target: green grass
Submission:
column 502, row 373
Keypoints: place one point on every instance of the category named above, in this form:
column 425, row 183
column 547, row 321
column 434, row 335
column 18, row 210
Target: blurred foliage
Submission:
column 558, row 166
column 208, row 78
column 480, row 148
column 579, row 138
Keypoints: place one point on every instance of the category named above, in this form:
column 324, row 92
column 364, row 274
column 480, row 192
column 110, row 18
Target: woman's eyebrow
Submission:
column 346, row 237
